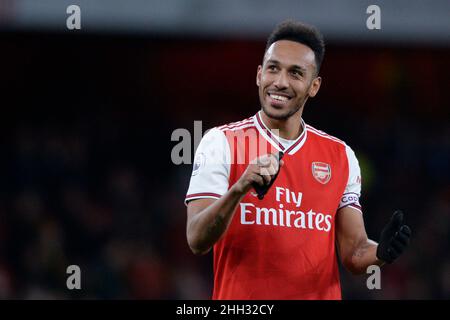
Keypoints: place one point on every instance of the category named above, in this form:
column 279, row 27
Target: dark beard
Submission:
column 286, row 116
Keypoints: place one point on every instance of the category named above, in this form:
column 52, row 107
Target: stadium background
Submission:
column 86, row 176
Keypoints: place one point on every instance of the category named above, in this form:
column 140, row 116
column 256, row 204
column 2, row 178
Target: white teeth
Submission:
column 277, row 97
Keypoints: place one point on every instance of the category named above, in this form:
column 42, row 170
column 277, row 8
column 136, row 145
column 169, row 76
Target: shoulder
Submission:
column 239, row 125
column 213, row 139
column 217, row 137
column 212, row 135
column 323, row 136
column 331, row 141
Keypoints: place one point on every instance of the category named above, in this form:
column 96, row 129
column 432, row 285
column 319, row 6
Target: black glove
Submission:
column 262, row 190
column 394, row 238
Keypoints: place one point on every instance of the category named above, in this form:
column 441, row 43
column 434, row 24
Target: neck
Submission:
column 289, row 128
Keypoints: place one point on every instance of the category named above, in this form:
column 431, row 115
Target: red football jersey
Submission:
column 283, row 246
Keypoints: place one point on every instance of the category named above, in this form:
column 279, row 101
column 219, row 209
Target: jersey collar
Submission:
column 273, row 139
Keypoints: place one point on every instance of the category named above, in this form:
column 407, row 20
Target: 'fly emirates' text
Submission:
column 251, row 214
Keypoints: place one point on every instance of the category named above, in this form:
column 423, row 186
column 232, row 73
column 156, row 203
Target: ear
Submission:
column 314, row 87
column 258, row 75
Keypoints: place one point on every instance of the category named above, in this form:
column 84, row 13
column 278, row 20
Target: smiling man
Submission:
column 283, row 245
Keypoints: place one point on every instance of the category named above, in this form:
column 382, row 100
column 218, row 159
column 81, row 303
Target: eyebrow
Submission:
column 296, row 67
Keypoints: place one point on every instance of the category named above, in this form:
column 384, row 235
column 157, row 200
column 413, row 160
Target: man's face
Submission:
column 286, row 79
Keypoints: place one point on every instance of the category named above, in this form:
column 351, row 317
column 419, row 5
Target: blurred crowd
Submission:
column 86, row 177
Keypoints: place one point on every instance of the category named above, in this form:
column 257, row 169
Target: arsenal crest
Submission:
column 321, row 172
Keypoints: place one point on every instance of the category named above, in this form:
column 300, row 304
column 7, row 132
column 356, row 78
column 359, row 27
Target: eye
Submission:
column 297, row 73
column 272, row 67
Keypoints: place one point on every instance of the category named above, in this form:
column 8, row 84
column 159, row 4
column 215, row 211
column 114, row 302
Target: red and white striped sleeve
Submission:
column 211, row 168
column 352, row 192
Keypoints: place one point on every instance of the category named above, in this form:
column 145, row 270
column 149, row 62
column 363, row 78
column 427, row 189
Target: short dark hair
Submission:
column 301, row 33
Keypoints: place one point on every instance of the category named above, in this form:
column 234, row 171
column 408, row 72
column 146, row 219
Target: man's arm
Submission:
column 208, row 219
column 357, row 251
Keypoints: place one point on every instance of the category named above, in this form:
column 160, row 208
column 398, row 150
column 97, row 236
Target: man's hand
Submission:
column 209, row 219
column 259, row 172
column 394, row 238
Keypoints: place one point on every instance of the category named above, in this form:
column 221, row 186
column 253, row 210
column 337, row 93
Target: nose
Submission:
column 281, row 81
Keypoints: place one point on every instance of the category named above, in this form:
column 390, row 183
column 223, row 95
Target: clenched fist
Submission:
column 260, row 174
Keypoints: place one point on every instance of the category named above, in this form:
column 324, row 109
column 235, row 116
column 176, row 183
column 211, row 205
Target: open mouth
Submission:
column 278, row 99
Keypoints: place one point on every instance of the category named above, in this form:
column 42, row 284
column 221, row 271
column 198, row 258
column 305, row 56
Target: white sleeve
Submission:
column 352, row 192
column 211, row 169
